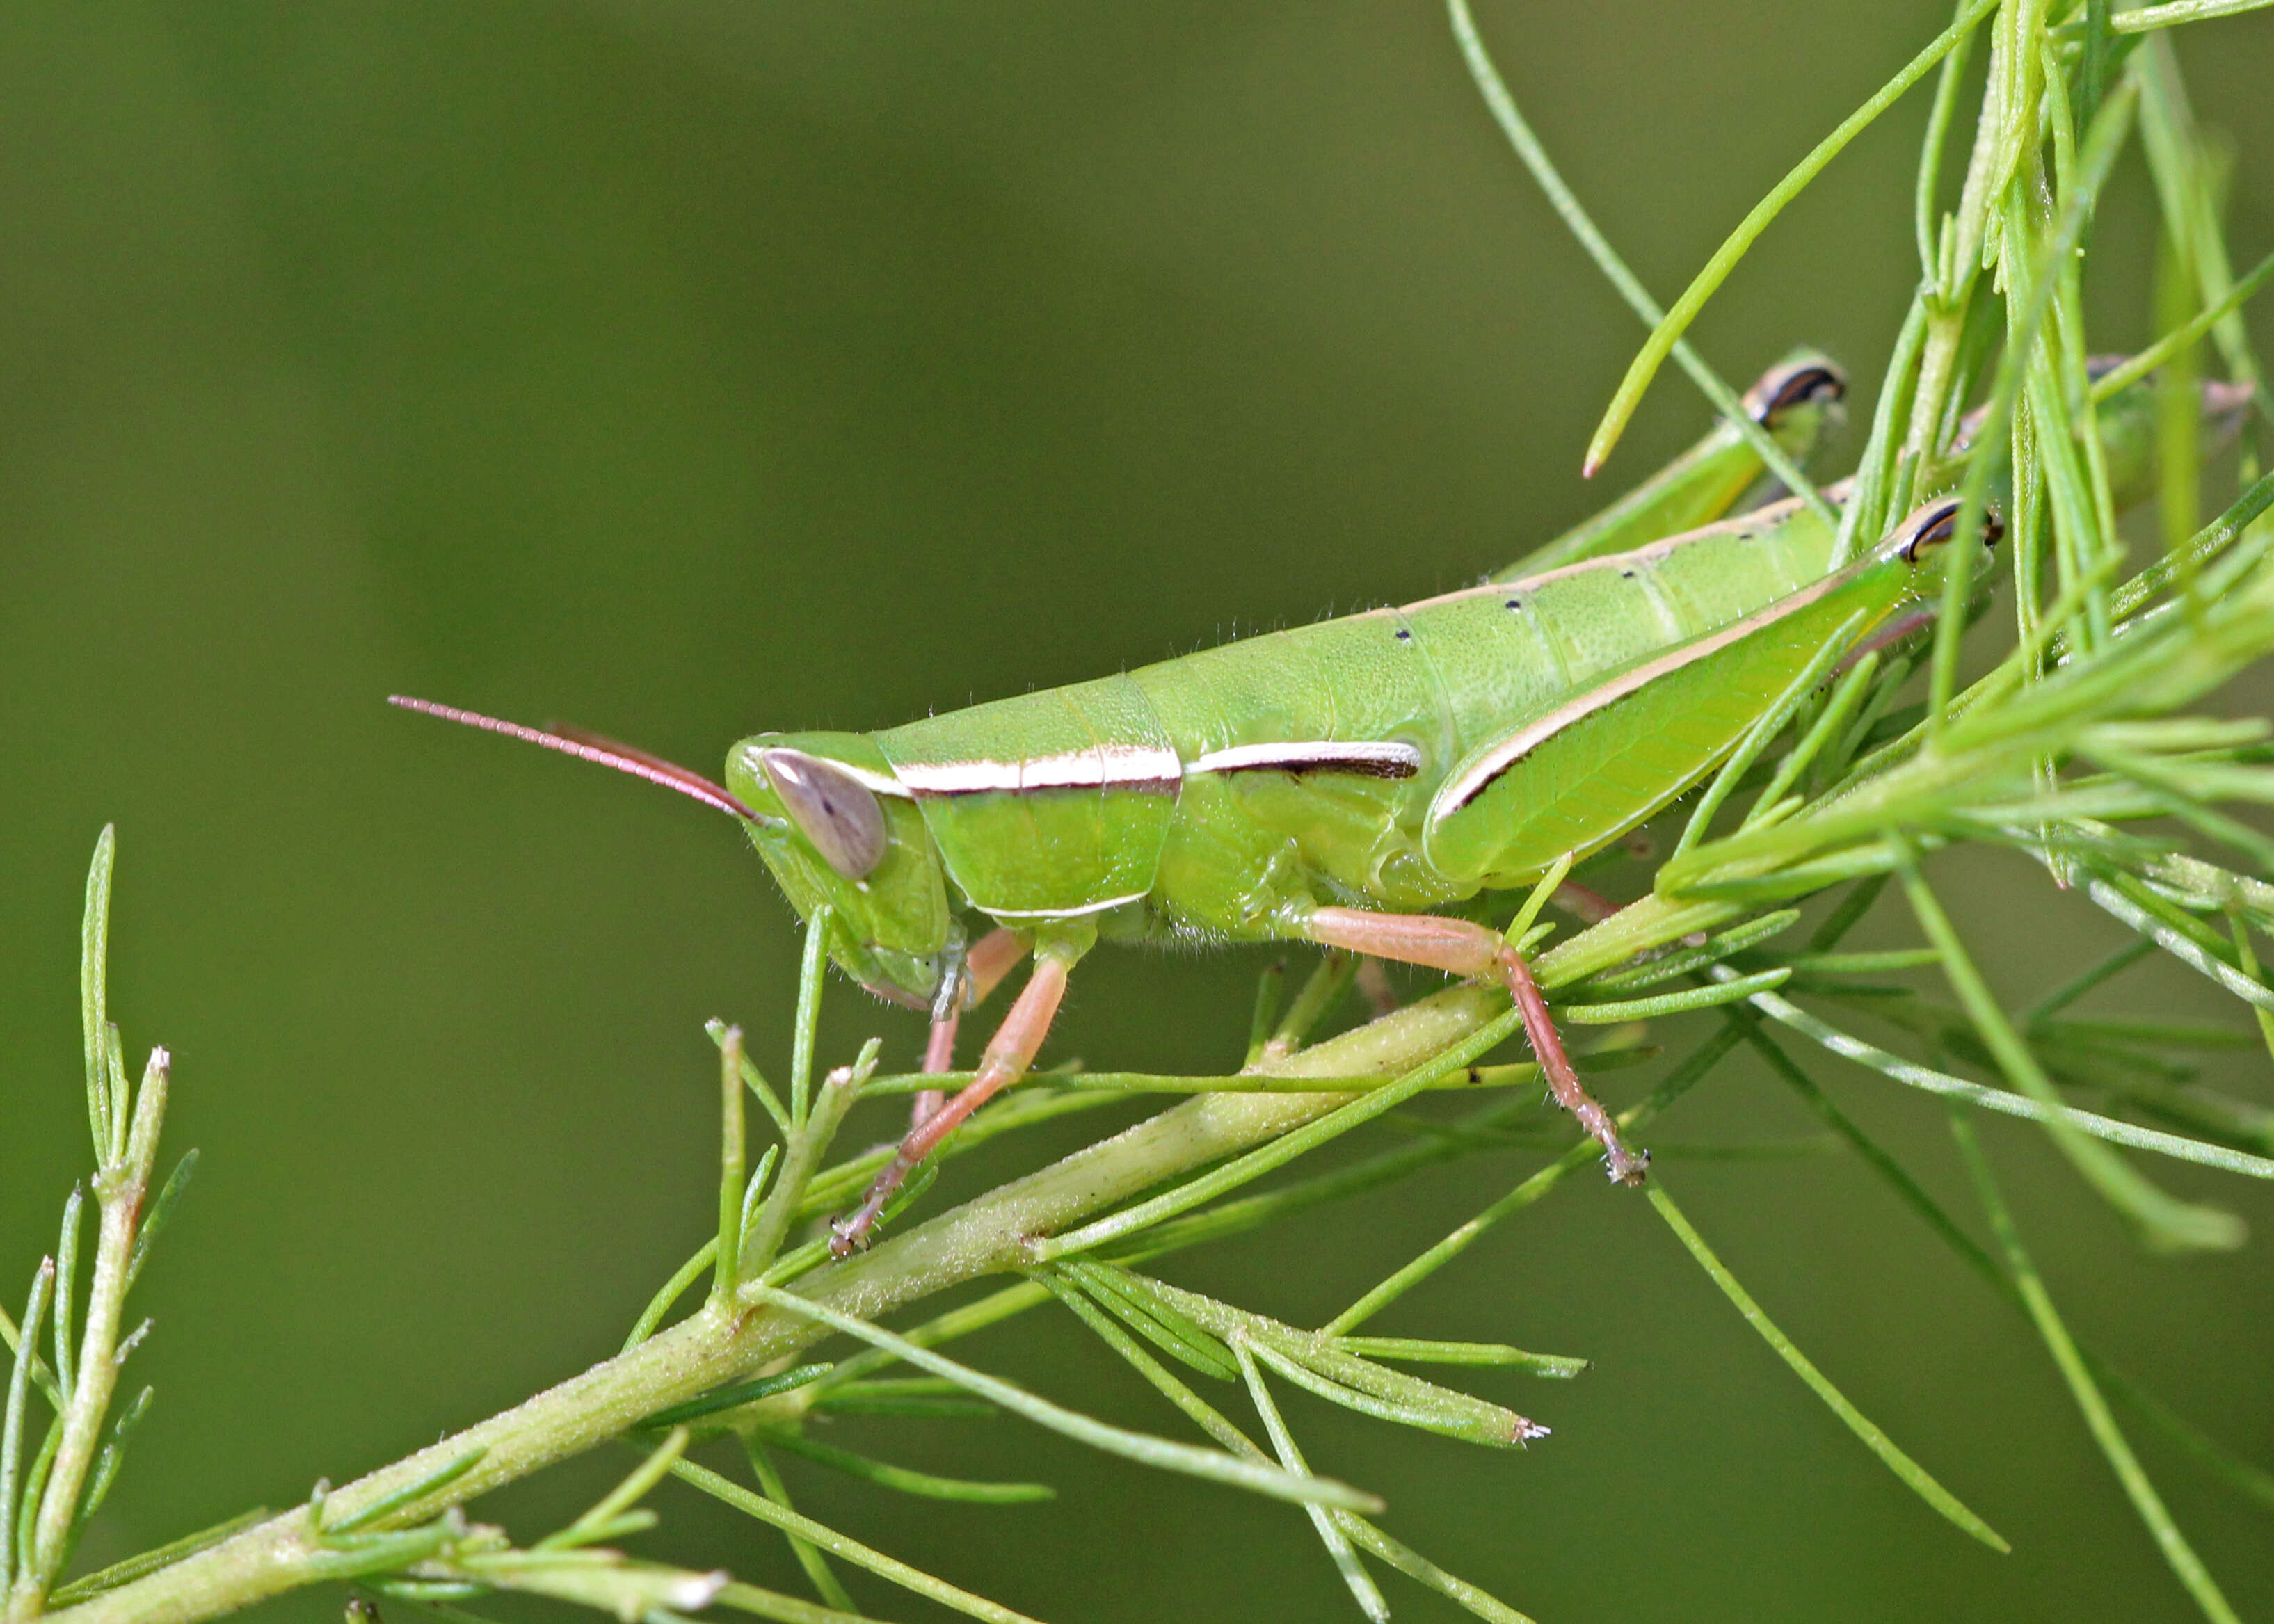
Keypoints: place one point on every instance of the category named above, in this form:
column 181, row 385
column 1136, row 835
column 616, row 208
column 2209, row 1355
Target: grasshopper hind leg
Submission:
column 1462, row 947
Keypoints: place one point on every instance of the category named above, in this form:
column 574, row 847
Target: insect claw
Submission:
column 1626, row 1168
column 851, row 1233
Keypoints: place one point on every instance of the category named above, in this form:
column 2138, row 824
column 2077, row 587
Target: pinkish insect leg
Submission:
column 1462, row 947
column 990, row 959
column 1009, row 1053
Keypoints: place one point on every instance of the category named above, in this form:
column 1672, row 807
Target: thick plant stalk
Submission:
column 986, row 1236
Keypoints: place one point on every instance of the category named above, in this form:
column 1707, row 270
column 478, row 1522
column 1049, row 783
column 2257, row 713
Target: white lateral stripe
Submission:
column 1520, row 744
column 875, row 783
column 1108, row 767
column 1087, row 907
column 1364, row 755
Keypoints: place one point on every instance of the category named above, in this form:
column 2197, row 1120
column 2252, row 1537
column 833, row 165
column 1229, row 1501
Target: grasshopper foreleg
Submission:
column 1009, row 1053
column 1462, row 947
column 985, row 966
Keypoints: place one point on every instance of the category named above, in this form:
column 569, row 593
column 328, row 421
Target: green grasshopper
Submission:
column 1345, row 783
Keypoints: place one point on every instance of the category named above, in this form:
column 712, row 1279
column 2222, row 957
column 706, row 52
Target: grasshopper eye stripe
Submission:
column 831, row 808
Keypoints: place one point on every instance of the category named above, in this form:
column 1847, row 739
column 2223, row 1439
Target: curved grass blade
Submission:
column 1139, row 1446
column 2141, row 1492
column 1676, row 321
column 1899, row 1070
column 1362, row 1587
column 1913, row 1475
column 905, row 1480
column 912, row 1579
column 817, row 1571
column 1495, row 91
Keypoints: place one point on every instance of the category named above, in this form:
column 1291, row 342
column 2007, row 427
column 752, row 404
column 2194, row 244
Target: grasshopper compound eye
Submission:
column 1932, row 526
column 1811, row 382
column 831, row 808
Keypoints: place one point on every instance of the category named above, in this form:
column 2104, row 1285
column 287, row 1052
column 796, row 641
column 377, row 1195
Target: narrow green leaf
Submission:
column 1665, row 968
column 1422, row 1352
column 1495, row 91
column 389, row 1506
column 94, row 996
column 1283, row 1149
column 1270, row 987
column 2179, row 11
column 676, row 1287
column 812, row 970
column 1674, row 1003
column 1355, row 1578
column 2137, row 1488
column 1915, row 1477
column 151, row 1561
column 162, row 1214
column 1702, row 287
column 912, row 1579
column 903, row 1480
column 736, row 1396
column 1139, row 1446
column 16, row 1486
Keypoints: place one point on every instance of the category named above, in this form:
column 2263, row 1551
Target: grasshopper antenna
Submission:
column 592, row 748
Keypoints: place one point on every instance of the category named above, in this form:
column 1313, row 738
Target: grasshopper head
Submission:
column 832, row 822
column 835, row 827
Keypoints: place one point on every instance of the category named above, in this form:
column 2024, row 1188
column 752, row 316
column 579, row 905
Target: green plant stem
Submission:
column 990, row 1235
column 119, row 1191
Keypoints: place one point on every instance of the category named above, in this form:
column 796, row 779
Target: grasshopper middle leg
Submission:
column 991, row 957
column 1462, row 947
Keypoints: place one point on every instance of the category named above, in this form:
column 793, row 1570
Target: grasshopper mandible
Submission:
column 1342, row 783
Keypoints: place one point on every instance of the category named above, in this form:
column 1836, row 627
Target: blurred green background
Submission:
column 691, row 367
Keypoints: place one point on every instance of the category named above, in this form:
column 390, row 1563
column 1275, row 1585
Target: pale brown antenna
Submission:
column 593, row 747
